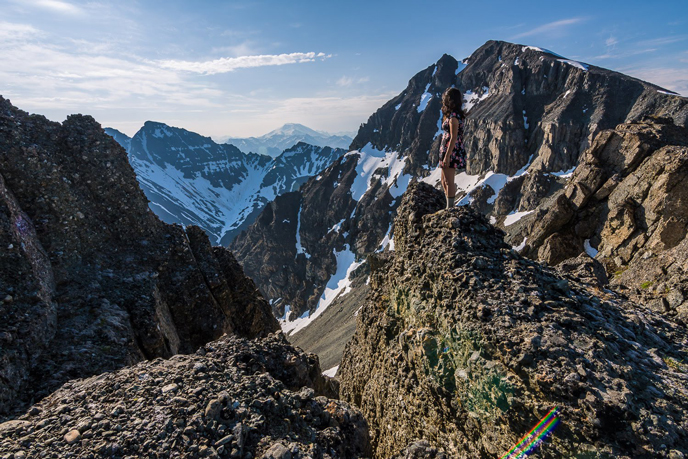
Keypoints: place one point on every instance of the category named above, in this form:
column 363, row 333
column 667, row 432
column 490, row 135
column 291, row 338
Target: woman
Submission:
column 452, row 153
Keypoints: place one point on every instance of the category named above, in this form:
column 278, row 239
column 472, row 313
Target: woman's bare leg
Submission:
column 448, row 185
column 451, row 186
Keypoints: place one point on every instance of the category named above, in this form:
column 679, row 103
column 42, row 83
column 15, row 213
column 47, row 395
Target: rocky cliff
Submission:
column 91, row 279
column 463, row 345
column 531, row 115
column 234, row 398
column 627, row 205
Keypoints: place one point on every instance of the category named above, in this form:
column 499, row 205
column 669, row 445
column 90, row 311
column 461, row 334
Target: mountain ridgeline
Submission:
column 275, row 142
column 531, row 117
column 192, row 180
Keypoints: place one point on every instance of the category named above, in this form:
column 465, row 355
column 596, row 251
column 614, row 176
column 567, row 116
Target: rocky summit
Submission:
column 234, row 398
column 464, row 345
column 90, row 279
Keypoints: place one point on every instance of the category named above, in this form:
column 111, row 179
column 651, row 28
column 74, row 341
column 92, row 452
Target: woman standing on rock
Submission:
column 452, row 153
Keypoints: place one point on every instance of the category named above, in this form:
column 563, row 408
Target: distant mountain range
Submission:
column 190, row 179
column 275, row 142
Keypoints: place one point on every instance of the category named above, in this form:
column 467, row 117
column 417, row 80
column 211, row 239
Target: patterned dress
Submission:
column 457, row 160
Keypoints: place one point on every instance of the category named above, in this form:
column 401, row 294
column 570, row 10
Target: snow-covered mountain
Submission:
column 190, row 179
column 274, row 142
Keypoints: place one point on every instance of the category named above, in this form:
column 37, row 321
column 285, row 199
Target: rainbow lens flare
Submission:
column 532, row 439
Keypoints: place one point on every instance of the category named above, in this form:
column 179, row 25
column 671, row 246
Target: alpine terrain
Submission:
column 190, row 179
column 124, row 336
column 556, row 152
column 555, row 290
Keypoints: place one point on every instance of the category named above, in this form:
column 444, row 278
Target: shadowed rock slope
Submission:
column 234, row 398
column 466, row 345
column 90, row 278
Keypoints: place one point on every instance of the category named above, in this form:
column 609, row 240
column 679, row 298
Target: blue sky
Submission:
column 230, row 68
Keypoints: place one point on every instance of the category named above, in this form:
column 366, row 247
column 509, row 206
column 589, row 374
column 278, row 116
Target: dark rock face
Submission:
column 533, row 114
column 465, row 344
column 100, row 280
column 627, row 198
column 232, row 398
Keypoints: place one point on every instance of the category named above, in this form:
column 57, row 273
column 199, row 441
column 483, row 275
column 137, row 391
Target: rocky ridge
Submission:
column 465, row 344
column 233, row 398
column 91, row 280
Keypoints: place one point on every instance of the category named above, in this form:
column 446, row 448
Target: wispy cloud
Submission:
column 556, row 27
column 610, row 54
column 10, row 31
column 54, row 6
column 346, row 81
column 661, row 41
column 611, row 42
column 229, row 64
column 674, row 79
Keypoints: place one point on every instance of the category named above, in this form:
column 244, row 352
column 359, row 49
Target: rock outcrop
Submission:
column 234, row 398
column 91, row 279
column 627, row 202
column 463, row 345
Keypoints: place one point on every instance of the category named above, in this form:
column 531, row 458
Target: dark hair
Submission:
column 452, row 101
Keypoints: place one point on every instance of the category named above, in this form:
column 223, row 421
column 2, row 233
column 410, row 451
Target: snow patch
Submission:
column 513, row 217
column 669, row 93
column 424, row 99
column 398, row 106
column 468, row 183
column 471, row 99
column 299, row 247
column 372, row 159
column 590, row 250
column 525, row 120
column 564, row 174
column 521, row 246
column 387, row 241
column 331, row 372
column 337, row 226
column 580, row 65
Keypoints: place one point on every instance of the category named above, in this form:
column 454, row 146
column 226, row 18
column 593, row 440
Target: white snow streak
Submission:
column 513, row 217
column 424, row 99
column 339, row 284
